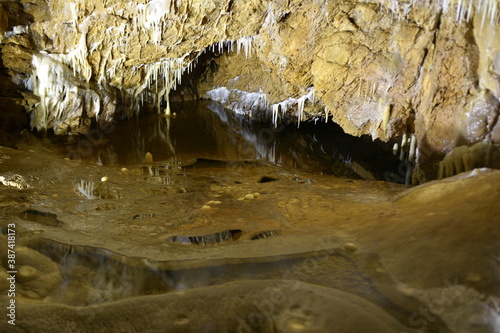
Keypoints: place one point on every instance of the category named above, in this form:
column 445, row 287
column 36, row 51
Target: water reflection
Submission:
column 207, row 130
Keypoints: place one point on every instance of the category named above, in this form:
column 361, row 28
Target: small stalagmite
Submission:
column 148, row 158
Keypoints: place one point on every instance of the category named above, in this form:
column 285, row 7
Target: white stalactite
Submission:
column 465, row 9
column 240, row 102
column 152, row 17
column 245, row 44
column 290, row 103
column 56, row 77
column 55, row 81
column 169, row 71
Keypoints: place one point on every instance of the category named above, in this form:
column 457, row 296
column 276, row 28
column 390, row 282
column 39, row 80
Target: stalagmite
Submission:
column 395, row 148
column 167, row 110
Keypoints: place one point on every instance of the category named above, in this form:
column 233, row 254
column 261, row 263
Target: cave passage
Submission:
column 224, row 202
column 202, row 130
column 189, row 168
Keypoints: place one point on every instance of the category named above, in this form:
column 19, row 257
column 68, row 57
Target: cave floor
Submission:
column 245, row 245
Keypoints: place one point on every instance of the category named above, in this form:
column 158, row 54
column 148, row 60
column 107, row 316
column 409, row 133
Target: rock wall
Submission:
column 384, row 68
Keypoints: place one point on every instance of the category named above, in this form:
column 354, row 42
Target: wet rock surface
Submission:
column 247, row 306
column 138, row 249
column 381, row 68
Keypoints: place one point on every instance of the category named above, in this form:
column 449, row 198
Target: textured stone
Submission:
column 37, row 275
column 378, row 69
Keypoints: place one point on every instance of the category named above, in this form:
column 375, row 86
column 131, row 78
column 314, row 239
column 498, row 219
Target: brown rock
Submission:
column 380, row 70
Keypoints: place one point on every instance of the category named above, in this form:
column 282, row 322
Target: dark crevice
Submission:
column 143, row 216
column 267, row 179
column 284, row 17
column 210, row 239
column 230, row 6
column 44, row 218
column 265, row 234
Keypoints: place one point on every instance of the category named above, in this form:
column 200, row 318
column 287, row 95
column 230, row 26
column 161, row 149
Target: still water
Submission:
column 205, row 130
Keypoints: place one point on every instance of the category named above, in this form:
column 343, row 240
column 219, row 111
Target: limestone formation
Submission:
column 244, row 306
column 465, row 158
column 378, row 67
column 37, row 275
column 233, row 244
column 137, row 251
